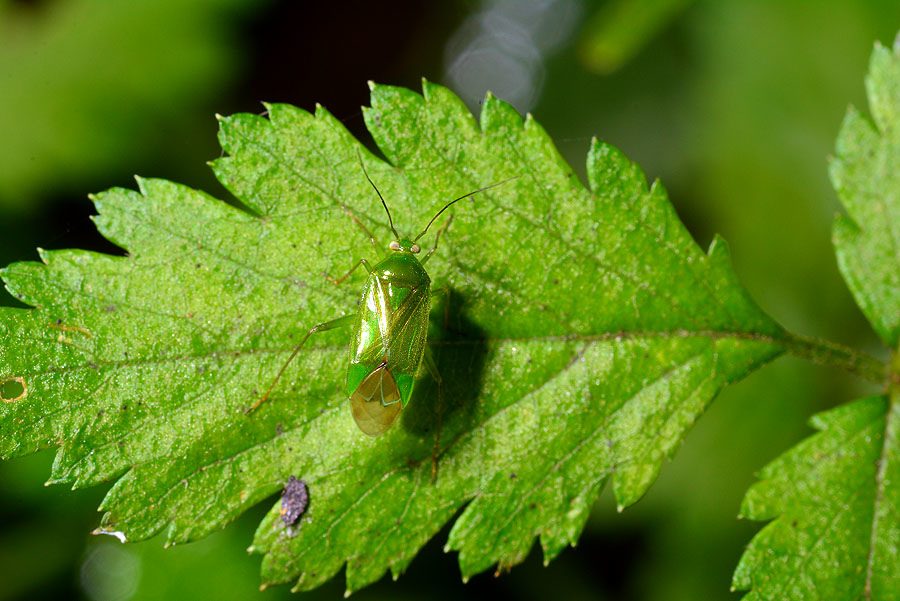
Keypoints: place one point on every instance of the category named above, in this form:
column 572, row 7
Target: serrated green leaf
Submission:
column 833, row 498
column 867, row 180
column 586, row 332
column 836, row 501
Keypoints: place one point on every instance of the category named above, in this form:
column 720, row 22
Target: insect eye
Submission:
column 415, row 248
column 394, row 245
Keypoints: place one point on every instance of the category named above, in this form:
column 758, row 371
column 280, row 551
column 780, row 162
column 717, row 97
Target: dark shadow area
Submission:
column 460, row 356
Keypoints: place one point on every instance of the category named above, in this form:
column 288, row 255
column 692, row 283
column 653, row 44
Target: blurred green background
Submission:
column 733, row 104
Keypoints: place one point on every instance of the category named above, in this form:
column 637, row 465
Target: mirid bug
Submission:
column 387, row 348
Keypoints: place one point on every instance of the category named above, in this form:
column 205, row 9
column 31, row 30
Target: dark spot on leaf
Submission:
column 110, row 308
column 13, row 389
column 278, row 429
column 58, row 321
column 532, row 506
column 100, row 414
column 294, row 500
column 794, row 524
column 512, row 475
column 124, row 407
column 556, row 281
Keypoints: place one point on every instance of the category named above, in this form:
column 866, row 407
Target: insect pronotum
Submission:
column 390, row 326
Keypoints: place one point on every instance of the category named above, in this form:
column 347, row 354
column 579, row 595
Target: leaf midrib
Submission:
column 894, row 400
column 602, row 337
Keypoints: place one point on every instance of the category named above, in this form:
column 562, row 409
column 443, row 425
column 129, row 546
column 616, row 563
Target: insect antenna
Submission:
column 366, row 173
column 446, row 206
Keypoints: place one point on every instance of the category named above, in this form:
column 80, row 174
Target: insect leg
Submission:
column 362, row 262
column 340, row 322
column 433, row 370
column 378, row 247
column 436, row 240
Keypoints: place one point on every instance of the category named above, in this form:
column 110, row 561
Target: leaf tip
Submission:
column 220, row 117
column 620, row 508
column 372, row 85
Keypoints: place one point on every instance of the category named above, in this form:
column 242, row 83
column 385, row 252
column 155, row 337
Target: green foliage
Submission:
column 867, row 180
column 75, row 75
column 586, row 333
column 836, row 533
column 834, row 496
column 621, row 28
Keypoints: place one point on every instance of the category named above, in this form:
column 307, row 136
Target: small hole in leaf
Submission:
column 13, row 389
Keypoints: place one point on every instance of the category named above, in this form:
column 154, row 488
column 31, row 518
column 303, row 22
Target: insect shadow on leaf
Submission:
column 460, row 352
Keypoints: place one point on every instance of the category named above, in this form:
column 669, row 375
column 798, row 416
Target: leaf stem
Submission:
column 825, row 352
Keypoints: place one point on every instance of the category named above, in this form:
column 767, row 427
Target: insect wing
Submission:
column 391, row 325
column 375, row 404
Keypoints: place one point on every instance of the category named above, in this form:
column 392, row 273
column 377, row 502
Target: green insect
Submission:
column 390, row 328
